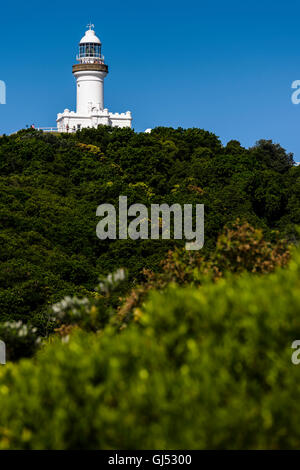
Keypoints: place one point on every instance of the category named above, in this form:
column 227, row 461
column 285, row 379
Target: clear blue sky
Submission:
column 225, row 66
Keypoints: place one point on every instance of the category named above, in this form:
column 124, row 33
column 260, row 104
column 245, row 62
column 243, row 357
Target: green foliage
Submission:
column 205, row 368
column 90, row 314
column 239, row 248
column 51, row 185
column 21, row 340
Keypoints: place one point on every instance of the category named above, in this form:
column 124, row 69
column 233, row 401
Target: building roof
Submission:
column 90, row 37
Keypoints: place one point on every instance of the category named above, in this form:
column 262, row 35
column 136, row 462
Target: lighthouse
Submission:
column 90, row 72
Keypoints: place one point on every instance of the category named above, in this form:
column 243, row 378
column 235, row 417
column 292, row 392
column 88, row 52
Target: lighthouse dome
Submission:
column 90, row 37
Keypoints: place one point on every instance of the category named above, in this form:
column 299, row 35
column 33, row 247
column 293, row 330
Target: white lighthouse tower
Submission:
column 90, row 72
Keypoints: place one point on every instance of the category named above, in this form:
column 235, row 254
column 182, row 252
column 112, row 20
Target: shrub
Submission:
column 205, row 368
column 21, row 339
column 90, row 314
column 240, row 247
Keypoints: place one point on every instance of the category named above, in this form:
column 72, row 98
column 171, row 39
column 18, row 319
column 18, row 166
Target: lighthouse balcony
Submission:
column 90, row 60
column 90, row 66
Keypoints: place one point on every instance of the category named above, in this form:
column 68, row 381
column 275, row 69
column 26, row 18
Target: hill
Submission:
column 51, row 185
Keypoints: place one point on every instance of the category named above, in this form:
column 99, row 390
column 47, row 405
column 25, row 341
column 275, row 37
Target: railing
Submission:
column 47, row 129
column 90, row 60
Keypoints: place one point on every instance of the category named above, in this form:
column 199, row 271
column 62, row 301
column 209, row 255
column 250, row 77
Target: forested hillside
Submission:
column 123, row 344
column 51, row 185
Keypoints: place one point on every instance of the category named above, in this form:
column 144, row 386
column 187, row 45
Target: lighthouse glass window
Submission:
column 90, row 50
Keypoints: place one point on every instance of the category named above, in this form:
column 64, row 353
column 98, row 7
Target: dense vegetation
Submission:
column 201, row 368
column 136, row 344
column 51, row 185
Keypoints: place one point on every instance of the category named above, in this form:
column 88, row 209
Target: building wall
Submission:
column 73, row 120
column 90, row 91
column 120, row 120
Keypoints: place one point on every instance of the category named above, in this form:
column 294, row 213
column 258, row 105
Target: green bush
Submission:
column 90, row 314
column 205, row 368
column 239, row 248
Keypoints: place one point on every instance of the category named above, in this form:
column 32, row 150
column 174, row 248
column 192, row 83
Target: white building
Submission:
column 90, row 73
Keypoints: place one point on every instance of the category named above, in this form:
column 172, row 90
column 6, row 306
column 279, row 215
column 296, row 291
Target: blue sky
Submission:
column 226, row 67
